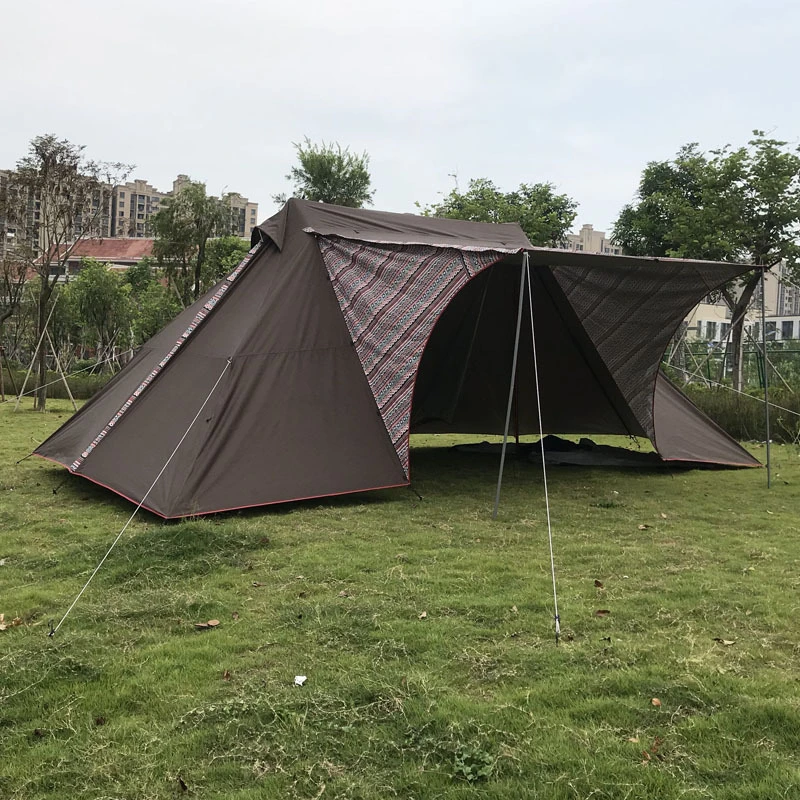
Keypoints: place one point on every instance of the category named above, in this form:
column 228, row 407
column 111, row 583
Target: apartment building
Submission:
column 711, row 321
column 94, row 221
column 132, row 207
column 135, row 203
column 125, row 211
column 588, row 240
column 244, row 213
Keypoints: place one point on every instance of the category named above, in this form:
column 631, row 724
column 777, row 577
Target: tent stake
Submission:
column 766, row 379
column 510, row 389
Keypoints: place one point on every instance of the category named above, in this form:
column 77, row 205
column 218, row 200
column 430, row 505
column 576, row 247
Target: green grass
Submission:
column 475, row 700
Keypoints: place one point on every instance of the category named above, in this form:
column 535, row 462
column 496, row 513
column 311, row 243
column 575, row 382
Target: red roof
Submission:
column 120, row 252
column 113, row 250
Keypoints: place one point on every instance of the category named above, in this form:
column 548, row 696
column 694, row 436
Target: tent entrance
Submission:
column 463, row 379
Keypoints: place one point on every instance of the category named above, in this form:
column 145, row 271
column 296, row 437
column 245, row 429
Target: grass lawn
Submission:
column 425, row 631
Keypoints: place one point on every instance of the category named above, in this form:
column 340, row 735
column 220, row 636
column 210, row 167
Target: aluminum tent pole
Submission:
column 512, row 384
column 766, row 379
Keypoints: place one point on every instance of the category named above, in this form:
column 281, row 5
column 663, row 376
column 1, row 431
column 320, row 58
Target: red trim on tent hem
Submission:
column 294, row 500
column 718, row 463
column 100, row 483
column 221, row 510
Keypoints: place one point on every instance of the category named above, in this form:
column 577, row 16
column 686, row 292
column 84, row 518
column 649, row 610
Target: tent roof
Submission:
column 384, row 227
column 387, row 227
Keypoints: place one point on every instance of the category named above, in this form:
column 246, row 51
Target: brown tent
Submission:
column 303, row 372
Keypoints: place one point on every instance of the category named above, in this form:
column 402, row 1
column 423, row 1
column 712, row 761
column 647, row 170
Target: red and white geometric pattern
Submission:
column 391, row 297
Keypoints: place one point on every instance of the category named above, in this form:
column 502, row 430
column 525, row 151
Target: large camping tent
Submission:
column 345, row 330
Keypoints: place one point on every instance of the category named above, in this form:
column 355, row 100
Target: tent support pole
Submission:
column 766, row 379
column 510, row 388
column 556, row 618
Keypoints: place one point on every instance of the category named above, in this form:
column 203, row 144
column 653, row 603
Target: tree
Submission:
column 140, row 276
column 182, row 228
column 730, row 205
column 223, row 255
column 154, row 304
column 328, row 173
column 56, row 198
column 13, row 274
column 544, row 215
column 155, row 307
column 102, row 299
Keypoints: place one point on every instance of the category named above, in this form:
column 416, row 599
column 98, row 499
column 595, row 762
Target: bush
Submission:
column 742, row 416
column 82, row 386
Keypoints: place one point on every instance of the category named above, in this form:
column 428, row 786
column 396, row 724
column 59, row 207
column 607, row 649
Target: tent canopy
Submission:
column 344, row 330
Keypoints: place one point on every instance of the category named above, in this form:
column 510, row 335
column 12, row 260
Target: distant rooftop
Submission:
column 114, row 250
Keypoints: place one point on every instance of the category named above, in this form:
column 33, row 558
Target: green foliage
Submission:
column 472, row 763
column 155, row 307
column 71, row 196
column 182, row 228
column 545, row 216
column 328, row 173
column 222, row 256
column 738, row 205
column 475, row 700
column 742, row 416
column 83, row 386
column 730, row 204
column 102, row 300
column 141, row 275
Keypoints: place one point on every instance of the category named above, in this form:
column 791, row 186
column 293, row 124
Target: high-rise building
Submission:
column 122, row 211
column 135, row 203
column 93, row 220
column 588, row 240
column 244, row 215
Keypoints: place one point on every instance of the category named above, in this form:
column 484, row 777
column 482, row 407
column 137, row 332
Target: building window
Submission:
column 724, row 327
column 771, row 328
column 787, row 329
column 122, row 195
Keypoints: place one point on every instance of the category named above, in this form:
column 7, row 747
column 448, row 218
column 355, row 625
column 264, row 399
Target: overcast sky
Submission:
column 580, row 93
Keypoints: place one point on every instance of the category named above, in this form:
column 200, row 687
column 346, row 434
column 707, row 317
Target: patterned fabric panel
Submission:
column 391, row 297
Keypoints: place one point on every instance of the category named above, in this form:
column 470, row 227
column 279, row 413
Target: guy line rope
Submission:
column 54, row 630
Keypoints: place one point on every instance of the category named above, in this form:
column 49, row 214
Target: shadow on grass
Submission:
column 435, row 470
